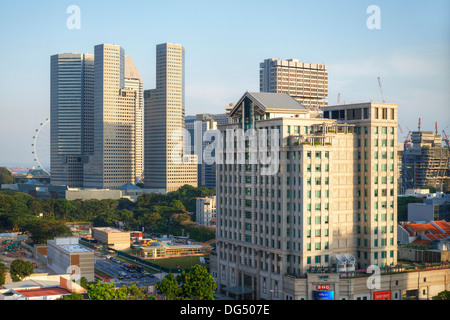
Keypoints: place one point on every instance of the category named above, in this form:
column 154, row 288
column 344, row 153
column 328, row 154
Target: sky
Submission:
column 225, row 41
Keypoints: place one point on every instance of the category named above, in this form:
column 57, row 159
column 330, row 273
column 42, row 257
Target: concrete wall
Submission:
column 420, row 212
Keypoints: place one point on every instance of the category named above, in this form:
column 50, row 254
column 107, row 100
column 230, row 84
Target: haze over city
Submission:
column 225, row 42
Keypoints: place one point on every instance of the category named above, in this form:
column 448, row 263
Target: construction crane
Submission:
column 444, row 137
column 379, row 84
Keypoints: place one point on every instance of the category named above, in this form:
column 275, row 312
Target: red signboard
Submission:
column 382, row 295
column 323, row 287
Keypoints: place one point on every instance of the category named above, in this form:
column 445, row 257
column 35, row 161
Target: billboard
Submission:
column 382, row 295
column 323, row 295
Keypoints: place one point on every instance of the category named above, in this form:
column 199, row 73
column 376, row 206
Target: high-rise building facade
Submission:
column 71, row 112
column 134, row 82
column 113, row 161
column 197, row 126
column 96, row 119
column 165, row 165
column 305, row 82
column 425, row 162
column 332, row 197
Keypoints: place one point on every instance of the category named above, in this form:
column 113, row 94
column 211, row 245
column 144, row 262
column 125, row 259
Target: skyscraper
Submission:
column 305, row 82
column 164, row 116
column 134, row 81
column 113, row 161
column 197, row 126
column 71, row 111
column 332, row 195
column 96, row 118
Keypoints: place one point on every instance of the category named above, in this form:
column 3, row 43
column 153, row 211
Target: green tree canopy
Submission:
column 72, row 296
column 6, row 176
column 443, row 295
column 168, row 286
column 20, row 269
column 197, row 284
column 47, row 229
column 3, row 271
column 108, row 291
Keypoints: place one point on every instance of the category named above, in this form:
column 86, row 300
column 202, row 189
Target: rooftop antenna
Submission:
column 419, row 124
column 339, row 98
column 436, row 128
column 379, row 84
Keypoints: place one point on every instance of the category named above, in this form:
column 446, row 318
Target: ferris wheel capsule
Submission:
column 36, row 142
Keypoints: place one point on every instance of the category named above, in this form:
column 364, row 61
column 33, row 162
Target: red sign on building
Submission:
column 323, row 287
column 382, row 295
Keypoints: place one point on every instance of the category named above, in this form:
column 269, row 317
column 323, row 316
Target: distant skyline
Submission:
column 225, row 41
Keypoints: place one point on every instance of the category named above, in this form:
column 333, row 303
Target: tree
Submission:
column 72, row 296
column 105, row 291
column 84, row 282
column 20, row 269
column 197, row 284
column 6, row 176
column 3, row 270
column 46, row 229
column 168, row 286
column 150, row 220
column 443, row 295
column 108, row 291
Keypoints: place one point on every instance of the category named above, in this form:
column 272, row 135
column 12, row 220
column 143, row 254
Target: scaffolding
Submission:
column 426, row 162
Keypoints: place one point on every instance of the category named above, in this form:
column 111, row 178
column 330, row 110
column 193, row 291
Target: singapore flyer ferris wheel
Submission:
column 37, row 144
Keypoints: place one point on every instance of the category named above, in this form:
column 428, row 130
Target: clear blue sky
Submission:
column 225, row 41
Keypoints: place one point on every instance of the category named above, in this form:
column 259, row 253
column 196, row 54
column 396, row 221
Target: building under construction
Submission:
column 426, row 162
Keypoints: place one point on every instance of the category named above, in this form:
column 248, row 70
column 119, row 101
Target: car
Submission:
column 135, row 276
column 151, row 275
column 120, row 277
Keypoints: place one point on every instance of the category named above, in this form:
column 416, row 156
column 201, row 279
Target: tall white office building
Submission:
column 113, row 161
column 328, row 204
column 164, row 116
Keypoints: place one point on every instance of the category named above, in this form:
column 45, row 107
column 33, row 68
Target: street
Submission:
column 121, row 276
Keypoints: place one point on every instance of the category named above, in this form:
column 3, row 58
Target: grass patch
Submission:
column 182, row 262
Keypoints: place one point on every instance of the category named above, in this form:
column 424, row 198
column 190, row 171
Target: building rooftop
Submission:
column 108, row 229
column 74, row 248
column 270, row 102
column 276, row 100
column 42, row 292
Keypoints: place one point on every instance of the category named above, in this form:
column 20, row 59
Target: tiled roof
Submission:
column 421, row 241
column 429, row 230
column 444, row 225
column 419, row 226
column 43, row 292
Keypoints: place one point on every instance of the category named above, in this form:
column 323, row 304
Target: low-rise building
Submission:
column 112, row 237
column 205, row 210
column 424, row 242
column 41, row 287
column 66, row 255
column 435, row 208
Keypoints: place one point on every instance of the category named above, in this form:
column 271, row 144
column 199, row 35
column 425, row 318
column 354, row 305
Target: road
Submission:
column 114, row 269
